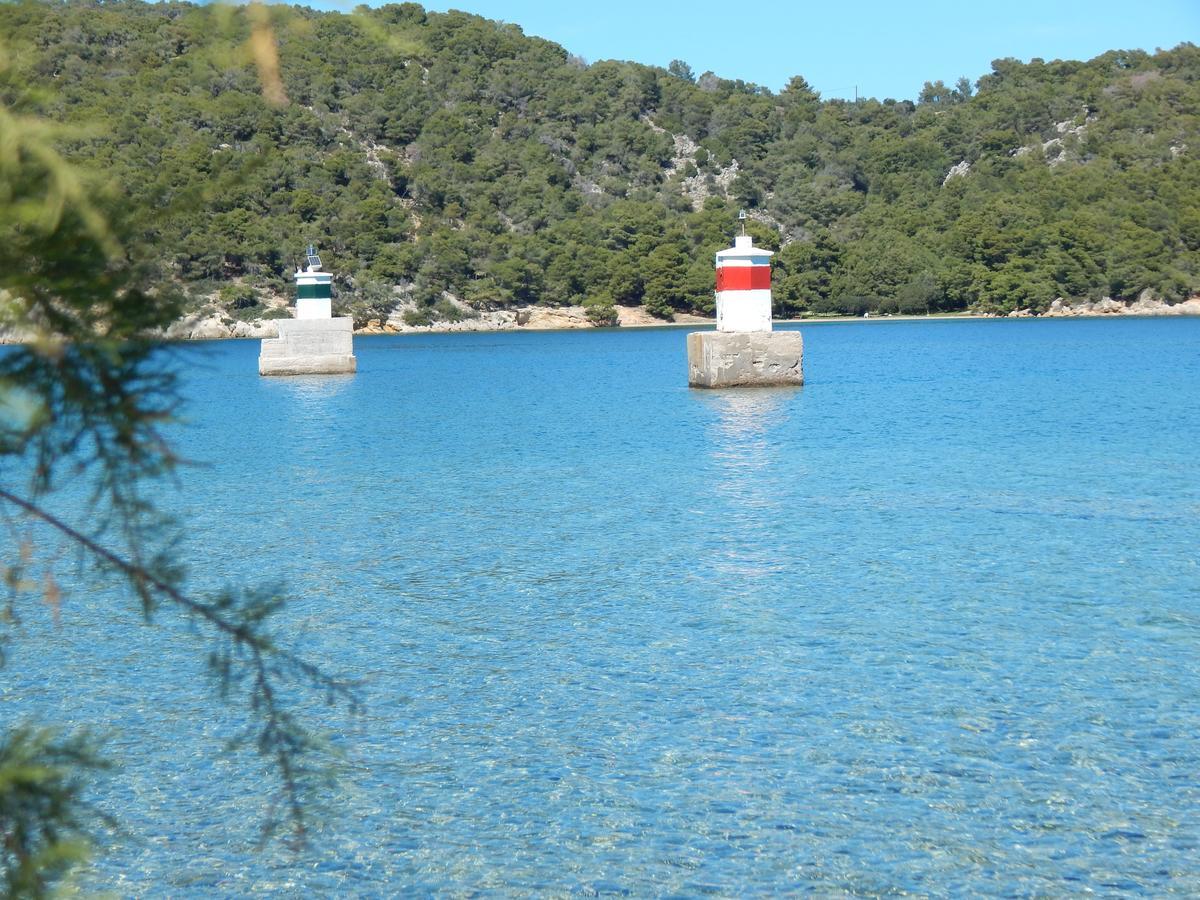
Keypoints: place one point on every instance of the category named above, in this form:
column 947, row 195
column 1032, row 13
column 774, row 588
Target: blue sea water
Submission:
column 929, row 624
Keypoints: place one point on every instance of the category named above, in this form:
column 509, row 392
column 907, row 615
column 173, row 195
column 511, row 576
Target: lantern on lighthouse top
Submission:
column 744, row 286
column 314, row 289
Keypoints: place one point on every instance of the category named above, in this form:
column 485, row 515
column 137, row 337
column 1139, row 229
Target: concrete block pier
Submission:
column 309, row 347
column 718, row 359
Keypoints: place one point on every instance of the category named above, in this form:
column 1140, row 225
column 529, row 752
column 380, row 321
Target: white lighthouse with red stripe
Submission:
column 744, row 286
column 744, row 351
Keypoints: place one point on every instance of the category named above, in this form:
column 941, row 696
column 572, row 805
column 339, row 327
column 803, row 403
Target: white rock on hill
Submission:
column 958, row 170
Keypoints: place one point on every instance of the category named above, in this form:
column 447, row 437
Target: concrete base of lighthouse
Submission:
column 718, row 359
column 309, row 347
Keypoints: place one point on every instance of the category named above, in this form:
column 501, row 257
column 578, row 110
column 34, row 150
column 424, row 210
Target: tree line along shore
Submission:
column 453, row 169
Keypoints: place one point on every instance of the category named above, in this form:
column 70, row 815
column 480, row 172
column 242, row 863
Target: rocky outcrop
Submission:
column 635, row 316
column 531, row 318
column 542, row 318
column 494, row 320
column 958, row 170
column 699, row 187
column 1146, row 304
column 1064, row 146
column 210, row 326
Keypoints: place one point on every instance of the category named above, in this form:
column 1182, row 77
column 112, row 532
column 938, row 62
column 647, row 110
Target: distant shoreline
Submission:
column 699, row 322
column 210, row 327
column 573, row 318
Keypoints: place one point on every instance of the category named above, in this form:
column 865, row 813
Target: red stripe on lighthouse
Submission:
column 744, row 278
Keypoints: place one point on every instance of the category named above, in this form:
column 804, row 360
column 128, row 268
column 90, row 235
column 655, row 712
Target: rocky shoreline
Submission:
column 207, row 326
column 538, row 318
column 210, row 326
column 1145, row 305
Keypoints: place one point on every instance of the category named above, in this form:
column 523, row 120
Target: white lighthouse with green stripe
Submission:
column 314, row 289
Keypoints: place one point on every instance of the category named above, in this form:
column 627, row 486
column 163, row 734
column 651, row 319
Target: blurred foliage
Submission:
column 45, row 819
column 84, row 402
column 441, row 152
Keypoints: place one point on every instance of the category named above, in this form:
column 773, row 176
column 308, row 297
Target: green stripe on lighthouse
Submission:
column 313, row 292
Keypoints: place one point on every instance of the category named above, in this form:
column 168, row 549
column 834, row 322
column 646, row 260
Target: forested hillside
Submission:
column 445, row 154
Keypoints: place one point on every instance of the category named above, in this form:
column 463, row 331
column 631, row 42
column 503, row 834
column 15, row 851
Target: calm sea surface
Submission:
column 930, row 623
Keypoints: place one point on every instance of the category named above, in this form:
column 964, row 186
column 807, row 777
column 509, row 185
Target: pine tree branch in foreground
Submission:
column 44, row 818
column 281, row 737
column 84, row 402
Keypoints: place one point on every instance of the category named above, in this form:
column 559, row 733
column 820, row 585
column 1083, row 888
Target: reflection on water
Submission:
column 313, row 413
column 750, row 411
column 308, row 402
column 308, row 393
column 747, row 448
column 744, row 433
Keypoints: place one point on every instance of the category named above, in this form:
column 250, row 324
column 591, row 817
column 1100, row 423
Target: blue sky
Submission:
column 887, row 49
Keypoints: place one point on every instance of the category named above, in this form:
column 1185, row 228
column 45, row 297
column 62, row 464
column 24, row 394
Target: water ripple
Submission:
column 927, row 625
